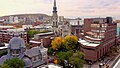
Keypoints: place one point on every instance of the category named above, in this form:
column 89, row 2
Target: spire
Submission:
column 54, row 7
column 54, row 3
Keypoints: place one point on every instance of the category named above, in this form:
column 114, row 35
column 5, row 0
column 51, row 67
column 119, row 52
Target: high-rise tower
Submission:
column 54, row 16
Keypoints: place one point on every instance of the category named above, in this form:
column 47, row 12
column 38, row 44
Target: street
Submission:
column 117, row 65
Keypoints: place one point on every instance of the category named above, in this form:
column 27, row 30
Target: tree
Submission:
column 61, row 56
column 56, row 43
column 5, row 66
column 70, row 42
column 15, row 63
column 77, row 60
column 31, row 33
column 50, row 50
column 4, row 52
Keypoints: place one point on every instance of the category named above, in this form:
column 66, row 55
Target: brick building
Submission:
column 6, row 35
column 45, row 37
column 98, row 37
column 46, row 41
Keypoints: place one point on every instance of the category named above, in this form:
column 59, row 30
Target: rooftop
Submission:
column 34, row 41
column 92, row 38
column 6, row 26
column 45, row 33
column 86, row 43
column 4, row 47
column 14, row 30
column 51, row 66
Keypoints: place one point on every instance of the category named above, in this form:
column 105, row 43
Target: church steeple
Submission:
column 54, row 7
column 54, row 16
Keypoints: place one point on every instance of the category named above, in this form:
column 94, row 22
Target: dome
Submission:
column 16, row 43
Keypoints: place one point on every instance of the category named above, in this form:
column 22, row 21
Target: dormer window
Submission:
column 15, row 53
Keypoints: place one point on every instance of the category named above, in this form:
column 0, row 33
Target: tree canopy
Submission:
column 74, row 58
column 14, row 63
column 70, row 42
column 63, row 44
column 56, row 43
column 31, row 33
column 77, row 59
column 3, row 52
column 5, row 66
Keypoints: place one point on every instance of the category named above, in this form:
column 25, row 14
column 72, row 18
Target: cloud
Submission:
column 66, row 8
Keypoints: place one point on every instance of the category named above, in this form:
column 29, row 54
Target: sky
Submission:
column 67, row 8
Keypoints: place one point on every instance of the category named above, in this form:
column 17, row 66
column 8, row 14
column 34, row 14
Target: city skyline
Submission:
column 67, row 8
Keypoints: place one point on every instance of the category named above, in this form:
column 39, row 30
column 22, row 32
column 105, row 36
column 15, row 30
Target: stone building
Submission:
column 59, row 26
column 33, row 57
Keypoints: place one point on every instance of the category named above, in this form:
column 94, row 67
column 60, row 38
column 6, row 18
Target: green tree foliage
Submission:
column 65, row 49
column 77, row 60
column 4, row 52
column 15, row 63
column 31, row 33
column 61, row 56
column 5, row 66
column 50, row 50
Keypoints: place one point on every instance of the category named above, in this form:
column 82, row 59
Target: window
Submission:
column 34, row 58
column 40, row 57
column 15, row 53
column 53, row 23
column 98, row 25
column 56, row 23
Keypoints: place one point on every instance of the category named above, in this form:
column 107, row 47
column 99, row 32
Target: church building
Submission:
column 33, row 57
column 59, row 28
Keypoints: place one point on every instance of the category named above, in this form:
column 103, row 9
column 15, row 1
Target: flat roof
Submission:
column 34, row 41
column 6, row 26
column 82, row 33
column 17, row 29
column 86, row 43
column 45, row 33
column 4, row 47
column 92, row 38
column 51, row 66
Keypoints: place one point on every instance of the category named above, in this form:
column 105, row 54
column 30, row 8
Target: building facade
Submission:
column 6, row 35
column 76, row 29
column 118, row 30
column 33, row 57
column 54, row 19
column 98, row 37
